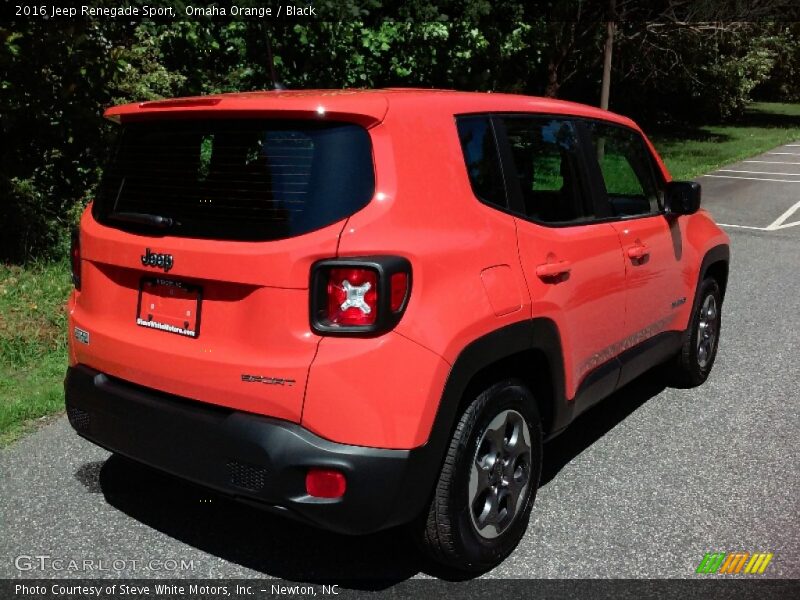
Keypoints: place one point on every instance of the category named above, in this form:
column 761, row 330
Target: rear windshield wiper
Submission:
column 144, row 219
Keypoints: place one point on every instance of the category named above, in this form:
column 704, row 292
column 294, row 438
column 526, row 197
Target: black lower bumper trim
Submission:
column 254, row 458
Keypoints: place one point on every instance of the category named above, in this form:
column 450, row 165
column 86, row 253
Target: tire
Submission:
column 454, row 531
column 693, row 364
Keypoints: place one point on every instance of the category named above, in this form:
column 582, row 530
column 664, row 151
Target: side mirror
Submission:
column 682, row 198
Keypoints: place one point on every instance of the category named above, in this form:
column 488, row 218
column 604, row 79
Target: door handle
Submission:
column 554, row 269
column 638, row 251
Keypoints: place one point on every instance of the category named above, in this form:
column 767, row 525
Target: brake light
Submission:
column 325, row 483
column 352, row 296
column 365, row 295
column 75, row 259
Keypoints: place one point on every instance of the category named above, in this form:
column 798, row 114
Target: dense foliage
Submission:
column 56, row 77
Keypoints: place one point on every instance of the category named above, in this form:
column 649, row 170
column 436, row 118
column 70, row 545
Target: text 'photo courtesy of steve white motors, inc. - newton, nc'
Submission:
column 205, row 590
column 277, row 11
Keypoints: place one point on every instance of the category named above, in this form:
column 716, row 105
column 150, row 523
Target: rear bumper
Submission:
column 250, row 457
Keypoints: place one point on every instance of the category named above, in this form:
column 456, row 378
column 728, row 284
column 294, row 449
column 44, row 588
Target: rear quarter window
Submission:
column 481, row 159
column 237, row 179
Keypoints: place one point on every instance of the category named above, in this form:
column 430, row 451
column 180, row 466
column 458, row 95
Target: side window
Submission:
column 546, row 158
column 482, row 161
column 627, row 169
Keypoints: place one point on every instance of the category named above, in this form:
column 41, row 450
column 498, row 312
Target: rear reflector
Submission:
column 325, row 483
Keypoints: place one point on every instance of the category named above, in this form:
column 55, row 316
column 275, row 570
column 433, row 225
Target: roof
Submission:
column 366, row 106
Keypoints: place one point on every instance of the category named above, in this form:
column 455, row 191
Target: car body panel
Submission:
column 384, row 391
column 587, row 305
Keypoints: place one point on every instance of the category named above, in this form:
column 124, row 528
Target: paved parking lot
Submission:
column 642, row 486
column 760, row 193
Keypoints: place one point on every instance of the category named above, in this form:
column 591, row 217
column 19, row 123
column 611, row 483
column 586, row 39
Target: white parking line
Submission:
column 742, row 226
column 780, row 223
column 757, row 172
column 772, row 162
column 753, row 178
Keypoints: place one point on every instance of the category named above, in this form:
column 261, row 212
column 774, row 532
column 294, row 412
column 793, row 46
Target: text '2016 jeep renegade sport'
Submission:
column 370, row 308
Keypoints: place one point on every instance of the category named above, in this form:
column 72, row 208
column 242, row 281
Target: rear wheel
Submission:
column 483, row 498
column 694, row 362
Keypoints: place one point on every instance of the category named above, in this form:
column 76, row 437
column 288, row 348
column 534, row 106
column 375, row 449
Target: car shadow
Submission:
column 290, row 550
column 254, row 538
column 597, row 422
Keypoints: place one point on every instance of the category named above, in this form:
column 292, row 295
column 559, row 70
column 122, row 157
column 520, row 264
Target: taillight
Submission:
column 75, row 259
column 352, row 296
column 365, row 295
column 399, row 290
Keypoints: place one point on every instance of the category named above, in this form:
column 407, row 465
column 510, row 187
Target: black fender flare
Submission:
column 531, row 334
column 715, row 254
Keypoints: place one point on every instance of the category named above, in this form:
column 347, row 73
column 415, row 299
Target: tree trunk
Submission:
column 605, row 88
column 551, row 90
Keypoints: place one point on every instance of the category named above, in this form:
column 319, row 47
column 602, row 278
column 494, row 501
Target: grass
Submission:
column 692, row 151
column 33, row 319
column 33, row 354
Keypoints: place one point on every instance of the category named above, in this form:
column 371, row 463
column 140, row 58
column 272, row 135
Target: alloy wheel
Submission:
column 707, row 331
column 500, row 474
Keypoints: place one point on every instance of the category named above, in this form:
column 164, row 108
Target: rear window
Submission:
column 235, row 179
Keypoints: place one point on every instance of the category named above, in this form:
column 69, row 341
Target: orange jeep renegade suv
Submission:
column 370, row 308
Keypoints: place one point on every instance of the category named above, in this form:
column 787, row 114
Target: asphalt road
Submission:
column 640, row 487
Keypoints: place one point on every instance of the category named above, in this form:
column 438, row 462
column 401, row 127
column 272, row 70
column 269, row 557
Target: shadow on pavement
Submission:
column 290, row 550
column 253, row 538
column 88, row 474
column 596, row 422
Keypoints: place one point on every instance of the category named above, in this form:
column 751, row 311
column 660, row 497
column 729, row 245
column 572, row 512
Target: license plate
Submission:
column 169, row 305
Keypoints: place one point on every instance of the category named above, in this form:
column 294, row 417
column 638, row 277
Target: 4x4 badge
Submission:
column 151, row 259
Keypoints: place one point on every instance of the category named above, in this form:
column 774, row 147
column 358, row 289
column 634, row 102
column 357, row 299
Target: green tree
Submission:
column 678, row 60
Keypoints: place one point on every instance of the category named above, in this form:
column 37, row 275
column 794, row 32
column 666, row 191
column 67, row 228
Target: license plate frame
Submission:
column 160, row 302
